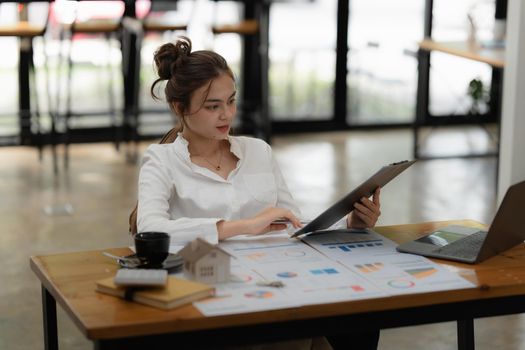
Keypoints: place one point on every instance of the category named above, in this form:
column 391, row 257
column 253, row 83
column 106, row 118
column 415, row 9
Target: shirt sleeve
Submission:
column 154, row 193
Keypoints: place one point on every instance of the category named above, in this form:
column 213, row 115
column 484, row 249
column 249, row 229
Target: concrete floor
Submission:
column 100, row 188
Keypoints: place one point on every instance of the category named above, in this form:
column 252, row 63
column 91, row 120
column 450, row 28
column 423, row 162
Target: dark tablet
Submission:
column 346, row 204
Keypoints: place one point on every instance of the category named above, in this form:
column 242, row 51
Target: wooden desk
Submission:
column 495, row 57
column 112, row 323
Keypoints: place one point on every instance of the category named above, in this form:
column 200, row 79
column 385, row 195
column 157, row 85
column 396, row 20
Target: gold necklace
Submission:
column 218, row 166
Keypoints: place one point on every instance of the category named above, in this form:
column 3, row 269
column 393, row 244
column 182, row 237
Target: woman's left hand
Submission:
column 365, row 213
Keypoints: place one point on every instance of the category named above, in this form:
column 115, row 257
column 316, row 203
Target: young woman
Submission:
column 208, row 183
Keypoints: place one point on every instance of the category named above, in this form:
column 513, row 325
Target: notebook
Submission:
column 177, row 292
column 466, row 244
column 346, row 204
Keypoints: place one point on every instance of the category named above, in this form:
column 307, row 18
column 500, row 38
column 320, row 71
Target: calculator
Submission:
column 141, row 277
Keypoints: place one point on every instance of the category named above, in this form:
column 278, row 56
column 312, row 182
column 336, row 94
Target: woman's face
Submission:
column 212, row 109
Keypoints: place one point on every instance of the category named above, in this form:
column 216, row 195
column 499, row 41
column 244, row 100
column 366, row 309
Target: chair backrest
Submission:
column 23, row 21
column 230, row 20
column 90, row 16
column 168, row 138
column 163, row 5
column 169, row 15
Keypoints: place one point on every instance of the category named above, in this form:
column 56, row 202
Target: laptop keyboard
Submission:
column 467, row 248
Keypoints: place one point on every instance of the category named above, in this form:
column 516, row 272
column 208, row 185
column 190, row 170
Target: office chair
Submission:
column 239, row 26
column 26, row 30
column 158, row 19
column 85, row 26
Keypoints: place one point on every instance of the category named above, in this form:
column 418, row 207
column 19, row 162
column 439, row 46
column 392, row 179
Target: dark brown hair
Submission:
column 185, row 71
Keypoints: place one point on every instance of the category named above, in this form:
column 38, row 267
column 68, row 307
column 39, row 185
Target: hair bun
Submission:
column 169, row 56
column 183, row 46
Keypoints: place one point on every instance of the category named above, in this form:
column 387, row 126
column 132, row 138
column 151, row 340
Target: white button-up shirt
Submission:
column 186, row 200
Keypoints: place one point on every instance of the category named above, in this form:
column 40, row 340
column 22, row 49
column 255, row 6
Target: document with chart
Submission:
column 303, row 276
column 375, row 258
column 276, row 272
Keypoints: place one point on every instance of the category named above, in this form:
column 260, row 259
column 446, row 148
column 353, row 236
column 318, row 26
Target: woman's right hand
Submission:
column 265, row 221
column 259, row 224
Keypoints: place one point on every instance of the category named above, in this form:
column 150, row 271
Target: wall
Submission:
column 512, row 148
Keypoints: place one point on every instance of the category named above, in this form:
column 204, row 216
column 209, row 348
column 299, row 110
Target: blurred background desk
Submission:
column 477, row 52
column 494, row 57
column 490, row 56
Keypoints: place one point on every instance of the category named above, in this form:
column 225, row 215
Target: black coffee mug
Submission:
column 153, row 247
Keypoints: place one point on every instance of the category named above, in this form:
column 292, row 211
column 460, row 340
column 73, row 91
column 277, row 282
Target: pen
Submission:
column 286, row 221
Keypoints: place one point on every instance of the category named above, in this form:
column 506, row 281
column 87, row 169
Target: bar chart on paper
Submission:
column 405, row 273
column 375, row 258
column 342, row 246
column 349, row 247
column 367, row 268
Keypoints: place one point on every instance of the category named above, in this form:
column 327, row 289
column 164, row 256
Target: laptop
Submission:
column 472, row 245
column 345, row 205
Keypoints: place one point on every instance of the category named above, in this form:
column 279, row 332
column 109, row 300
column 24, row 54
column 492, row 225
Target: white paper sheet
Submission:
column 330, row 268
column 308, row 276
column 375, row 258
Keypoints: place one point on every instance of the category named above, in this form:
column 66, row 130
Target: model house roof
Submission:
column 198, row 248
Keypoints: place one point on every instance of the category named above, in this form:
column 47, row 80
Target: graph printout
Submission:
column 330, row 268
column 242, row 294
column 271, row 250
column 307, row 276
column 375, row 258
column 344, row 246
column 321, row 282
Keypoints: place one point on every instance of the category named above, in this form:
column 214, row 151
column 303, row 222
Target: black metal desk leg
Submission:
column 49, row 311
column 466, row 334
column 24, row 102
column 422, row 98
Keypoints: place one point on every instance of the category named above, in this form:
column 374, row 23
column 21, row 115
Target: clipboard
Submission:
column 346, row 204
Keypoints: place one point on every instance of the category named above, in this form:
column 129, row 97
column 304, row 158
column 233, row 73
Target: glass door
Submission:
column 377, row 53
column 302, row 60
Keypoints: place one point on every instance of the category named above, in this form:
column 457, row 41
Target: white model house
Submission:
column 205, row 262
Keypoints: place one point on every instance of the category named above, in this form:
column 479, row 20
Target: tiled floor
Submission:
column 101, row 189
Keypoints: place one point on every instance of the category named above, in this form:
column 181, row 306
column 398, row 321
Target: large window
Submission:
column 382, row 38
column 302, row 60
column 381, row 63
column 451, row 75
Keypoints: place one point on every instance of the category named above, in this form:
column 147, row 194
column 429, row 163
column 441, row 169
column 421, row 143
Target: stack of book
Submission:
column 175, row 293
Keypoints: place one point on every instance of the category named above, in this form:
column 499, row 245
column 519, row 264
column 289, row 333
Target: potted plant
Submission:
column 479, row 96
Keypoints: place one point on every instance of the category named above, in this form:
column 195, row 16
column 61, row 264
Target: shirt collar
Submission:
column 181, row 145
column 235, row 147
